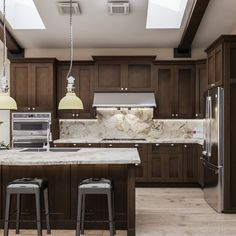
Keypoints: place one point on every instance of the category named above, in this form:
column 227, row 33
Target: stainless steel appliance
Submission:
column 213, row 154
column 31, row 129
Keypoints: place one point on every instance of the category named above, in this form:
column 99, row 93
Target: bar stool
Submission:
column 95, row 186
column 27, row 186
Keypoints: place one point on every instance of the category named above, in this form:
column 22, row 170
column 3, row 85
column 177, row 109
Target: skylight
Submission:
column 165, row 14
column 22, row 14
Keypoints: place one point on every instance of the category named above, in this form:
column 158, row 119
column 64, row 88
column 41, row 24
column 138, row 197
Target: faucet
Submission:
column 49, row 138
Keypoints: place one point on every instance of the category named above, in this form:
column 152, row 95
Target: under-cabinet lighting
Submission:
column 23, row 15
column 165, row 14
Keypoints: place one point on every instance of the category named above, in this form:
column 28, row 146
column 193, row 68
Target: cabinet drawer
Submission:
column 82, row 145
column 166, row 148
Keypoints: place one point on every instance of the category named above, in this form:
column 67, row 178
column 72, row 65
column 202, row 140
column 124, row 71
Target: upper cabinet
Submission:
column 32, row 84
column 124, row 73
column 83, row 74
column 175, row 91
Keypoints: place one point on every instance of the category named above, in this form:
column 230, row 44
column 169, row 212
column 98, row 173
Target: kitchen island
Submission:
column 64, row 171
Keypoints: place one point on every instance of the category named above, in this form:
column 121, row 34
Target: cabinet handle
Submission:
column 126, row 89
column 172, row 145
column 33, row 108
column 185, row 146
column 73, row 115
column 172, row 115
column 176, row 115
column 77, row 115
column 55, row 145
column 110, row 145
column 157, row 144
column 136, row 145
column 212, row 85
column 122, row 89
column 90, row 144
column 196, row 115
column 28, row 108
column 74, row 144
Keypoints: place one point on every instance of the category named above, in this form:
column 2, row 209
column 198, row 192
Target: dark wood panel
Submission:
column 184, row 92
column 218, row 65
column 164, row 90
column 21, row 85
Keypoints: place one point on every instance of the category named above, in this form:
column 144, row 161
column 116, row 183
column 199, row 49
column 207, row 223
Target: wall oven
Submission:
column 30, row 129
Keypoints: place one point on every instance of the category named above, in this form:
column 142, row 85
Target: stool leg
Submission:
column 38, row 212
column 110, row 213
column 83, row 213
column 79, row 214
column 7, row 213
column 18, row 199
column 46, row 203
column 113, row 211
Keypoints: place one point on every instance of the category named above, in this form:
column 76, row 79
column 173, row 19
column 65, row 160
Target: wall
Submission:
column 87, row 53
column 130, row 124
column 4, row 115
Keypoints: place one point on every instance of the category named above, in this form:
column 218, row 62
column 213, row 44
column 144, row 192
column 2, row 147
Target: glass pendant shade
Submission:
column 70, row 101
column 7, row 102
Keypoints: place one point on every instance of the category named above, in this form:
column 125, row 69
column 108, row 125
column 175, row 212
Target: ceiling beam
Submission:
column 12, row 45
column 193, row 23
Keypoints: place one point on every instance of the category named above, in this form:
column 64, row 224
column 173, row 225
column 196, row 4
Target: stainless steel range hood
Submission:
column 124, row 100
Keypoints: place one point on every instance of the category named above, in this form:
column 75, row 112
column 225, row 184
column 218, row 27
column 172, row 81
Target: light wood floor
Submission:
column 170, row 212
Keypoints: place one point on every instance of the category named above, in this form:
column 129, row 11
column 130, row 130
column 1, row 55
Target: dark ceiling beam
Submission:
column 192, row 25
column 12, row 45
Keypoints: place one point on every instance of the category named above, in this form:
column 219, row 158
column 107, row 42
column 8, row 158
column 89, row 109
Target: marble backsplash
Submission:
column 124, row 123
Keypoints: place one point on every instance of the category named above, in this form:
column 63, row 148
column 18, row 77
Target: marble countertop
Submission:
column 83, row 156
column 197, row 141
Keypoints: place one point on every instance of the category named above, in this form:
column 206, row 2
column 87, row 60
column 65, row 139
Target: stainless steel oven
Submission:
column 30, row 129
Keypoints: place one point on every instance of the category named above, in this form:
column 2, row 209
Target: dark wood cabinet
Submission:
column 191, row 163
column 174, row 89
column 33, row 84
column 201, row 88
column 165, row 163
column 75, row 145
column 124, row 74
column 214, row 66
column 141, row 169
column 84, row 87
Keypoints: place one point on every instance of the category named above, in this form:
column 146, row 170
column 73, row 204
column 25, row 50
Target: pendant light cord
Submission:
column 71, row 41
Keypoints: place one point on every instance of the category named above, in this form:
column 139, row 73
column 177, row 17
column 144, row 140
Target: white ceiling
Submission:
column 95, row 28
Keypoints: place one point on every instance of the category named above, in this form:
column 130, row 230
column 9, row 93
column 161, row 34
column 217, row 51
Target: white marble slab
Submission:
column 171, row 140
column 83, row 156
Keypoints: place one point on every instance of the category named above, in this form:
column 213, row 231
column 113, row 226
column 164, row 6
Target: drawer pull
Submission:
column 212, row 85
column 172, row 145
column 110, row 145
column 185, row 146
column 90, row 144
column 157, row 144
column 74, row 144
column 172, row 115
column 136, row 145
column 73, row 115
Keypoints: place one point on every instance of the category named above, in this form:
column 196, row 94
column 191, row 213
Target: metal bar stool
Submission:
column 95, row 186
column 27, row 186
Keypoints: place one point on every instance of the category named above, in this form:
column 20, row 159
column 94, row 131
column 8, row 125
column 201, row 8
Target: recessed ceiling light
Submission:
column 23, row 14
column 165, row 14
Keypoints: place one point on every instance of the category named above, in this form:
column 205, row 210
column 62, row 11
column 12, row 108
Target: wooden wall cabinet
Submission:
column 33, row 84
column 84, row 87
column 175, row 94
column 124, row 74
column 201, row 88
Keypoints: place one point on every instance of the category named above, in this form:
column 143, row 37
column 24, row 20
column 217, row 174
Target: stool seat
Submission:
column 96, row 183
column 29, row 182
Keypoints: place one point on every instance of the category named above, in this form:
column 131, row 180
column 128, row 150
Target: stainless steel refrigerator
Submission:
column 213, row 154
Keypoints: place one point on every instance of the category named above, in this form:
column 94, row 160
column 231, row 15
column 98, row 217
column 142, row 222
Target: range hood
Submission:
column 128, row 100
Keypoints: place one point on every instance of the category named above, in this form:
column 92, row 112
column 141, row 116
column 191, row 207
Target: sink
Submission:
column 51, row 150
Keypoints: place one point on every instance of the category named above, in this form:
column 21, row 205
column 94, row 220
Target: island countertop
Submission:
column 83, row 156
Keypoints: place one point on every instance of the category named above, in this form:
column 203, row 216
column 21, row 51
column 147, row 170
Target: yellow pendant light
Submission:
column 70, row 101
column 6, row 102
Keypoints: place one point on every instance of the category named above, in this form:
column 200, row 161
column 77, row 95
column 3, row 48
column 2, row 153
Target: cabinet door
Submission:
column 190, row 163
column 42, row 87
column 20, row 88
column 184, row 91
column 201, row 87
column 165, row 163
column 109, row 76
column 164, row 92
column 83, row 88
column 140, row 77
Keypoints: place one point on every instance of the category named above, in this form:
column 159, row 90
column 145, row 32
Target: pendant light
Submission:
column 6, row 102
column 70, row 101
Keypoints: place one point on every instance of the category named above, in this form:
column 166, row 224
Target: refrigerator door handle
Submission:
column 210, row 120
column 206, row 127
